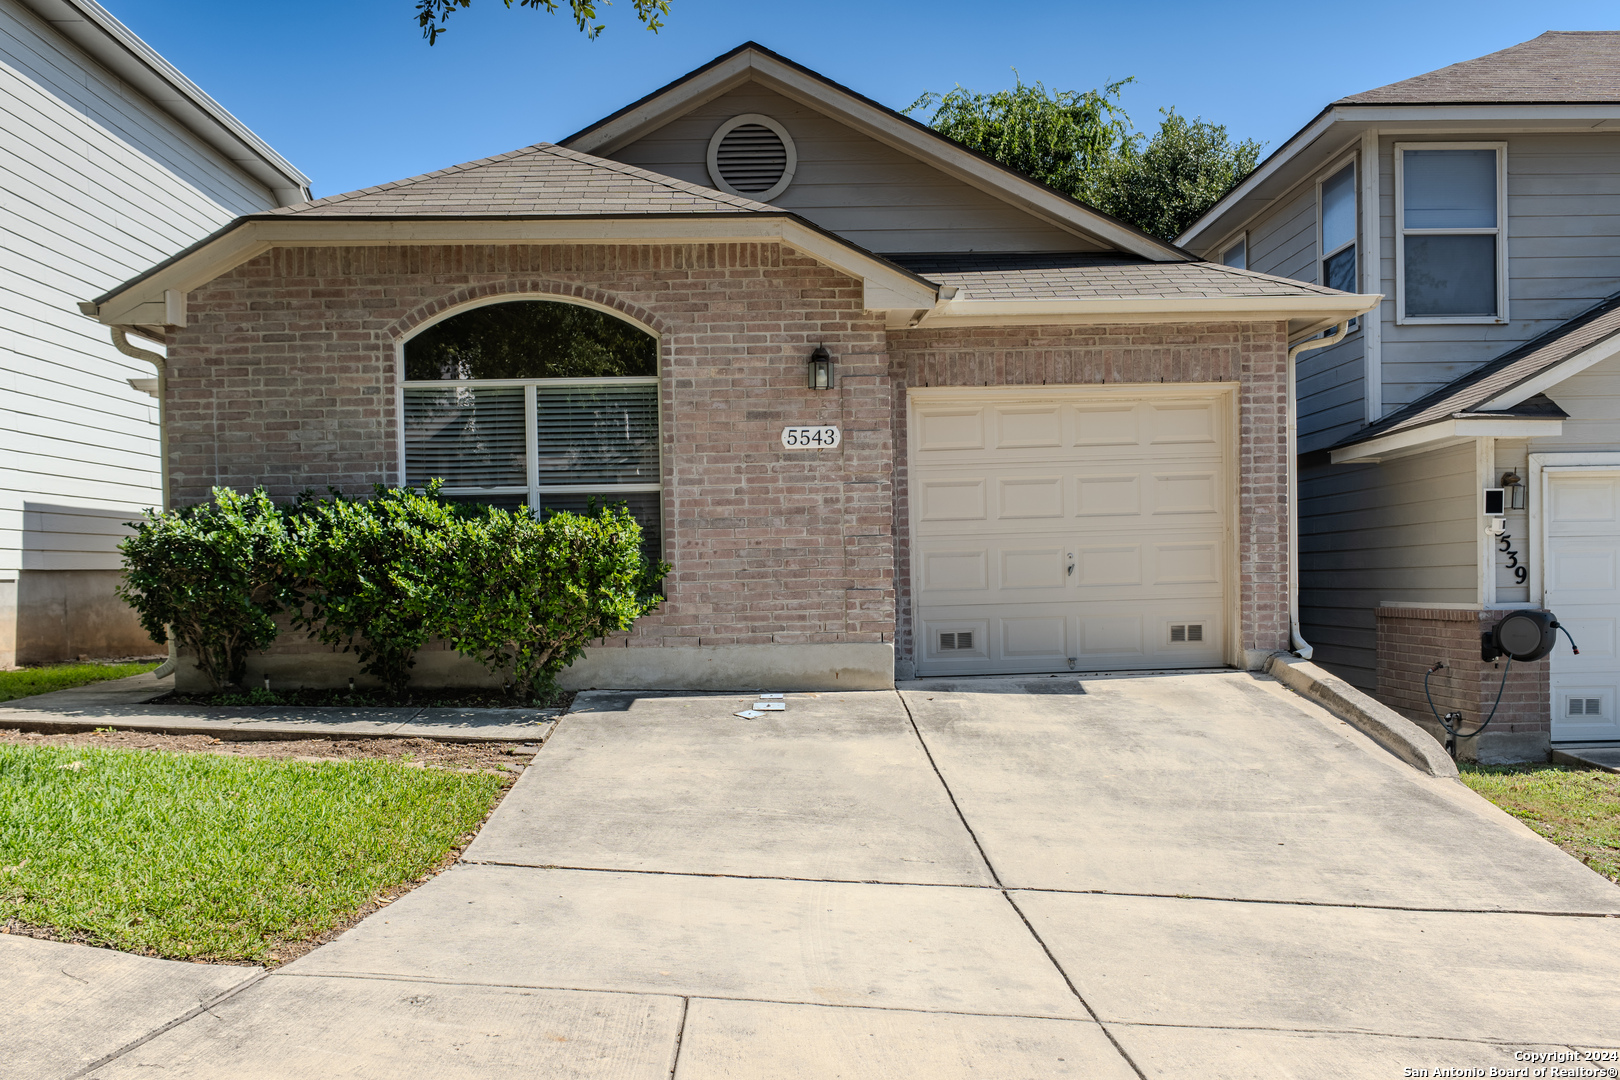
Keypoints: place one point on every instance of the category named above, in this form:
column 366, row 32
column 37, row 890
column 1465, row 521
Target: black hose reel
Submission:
column 1524, row 636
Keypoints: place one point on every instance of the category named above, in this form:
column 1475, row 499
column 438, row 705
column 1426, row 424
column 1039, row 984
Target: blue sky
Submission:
column 352, row 95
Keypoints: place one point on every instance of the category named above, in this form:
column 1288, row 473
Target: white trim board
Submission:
column 1445, row 433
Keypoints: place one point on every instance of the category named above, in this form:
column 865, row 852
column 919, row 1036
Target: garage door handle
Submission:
column 1071, row 564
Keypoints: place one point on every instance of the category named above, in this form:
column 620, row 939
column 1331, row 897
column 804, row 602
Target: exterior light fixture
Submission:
column 1513, row 488
column 821, row 369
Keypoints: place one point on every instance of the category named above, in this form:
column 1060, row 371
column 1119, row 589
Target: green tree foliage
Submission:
column 526, row 596
column 431, row 15
column 1165, row 183
column 1084, row 145
column 531, row 339
column 1061, row 139
column 213, row 575
column 368, row 573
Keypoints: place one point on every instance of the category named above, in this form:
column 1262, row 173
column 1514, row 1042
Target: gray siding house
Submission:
column 1482, row 201
column 110, row 160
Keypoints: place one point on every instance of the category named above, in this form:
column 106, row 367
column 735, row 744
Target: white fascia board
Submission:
column 117, row 48
column 1148, row 309
column 145, row 302
column 880, row 125
column 1447, row 432
column 1565, row 369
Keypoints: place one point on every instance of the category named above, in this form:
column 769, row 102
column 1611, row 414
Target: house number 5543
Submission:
column 823, row 437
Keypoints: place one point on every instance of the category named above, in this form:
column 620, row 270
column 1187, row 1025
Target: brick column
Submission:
column 1412, row 639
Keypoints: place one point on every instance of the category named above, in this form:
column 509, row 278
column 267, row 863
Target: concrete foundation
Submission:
column 64, row 614
column 8, row 623
column 835, row 666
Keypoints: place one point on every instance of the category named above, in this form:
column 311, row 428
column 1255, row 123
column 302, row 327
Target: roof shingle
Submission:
column 1090, row 276
column 543, row 180
column 1559, row 67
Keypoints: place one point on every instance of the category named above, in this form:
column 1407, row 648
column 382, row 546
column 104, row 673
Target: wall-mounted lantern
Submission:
column 1513, row 490
column 821, row 369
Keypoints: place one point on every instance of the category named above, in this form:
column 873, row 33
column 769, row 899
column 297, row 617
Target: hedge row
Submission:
column 519, row 593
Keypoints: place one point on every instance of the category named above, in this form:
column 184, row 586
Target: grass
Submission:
column 42, row 680
column 198, row 856
column 1577, row 809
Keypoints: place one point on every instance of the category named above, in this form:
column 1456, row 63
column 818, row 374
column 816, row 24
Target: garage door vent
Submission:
column 1589, row 706
column 960, row 639
column 1186, row 632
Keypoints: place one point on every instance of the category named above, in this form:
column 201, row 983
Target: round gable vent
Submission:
column 753, row 156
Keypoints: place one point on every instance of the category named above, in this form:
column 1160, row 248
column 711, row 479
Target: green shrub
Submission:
column 369, row 573
column 527, row 596
column 212, row 575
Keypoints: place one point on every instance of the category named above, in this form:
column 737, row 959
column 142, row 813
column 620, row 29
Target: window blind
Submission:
column 469, row 437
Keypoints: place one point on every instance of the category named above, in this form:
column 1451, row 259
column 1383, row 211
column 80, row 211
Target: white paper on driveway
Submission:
column 771, row 706
column 769, row 697
column 749, row 714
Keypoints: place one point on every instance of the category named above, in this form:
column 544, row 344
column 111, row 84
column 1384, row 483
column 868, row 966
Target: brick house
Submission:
column 1046, row 441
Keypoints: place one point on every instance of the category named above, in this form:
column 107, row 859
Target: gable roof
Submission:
column 1513, row 381
column 751, row 61
column 118, row 49
column 1559, row 67
column 542, row 180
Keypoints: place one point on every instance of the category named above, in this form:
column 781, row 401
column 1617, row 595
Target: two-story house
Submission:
column 1482, row 201
column 110, row 159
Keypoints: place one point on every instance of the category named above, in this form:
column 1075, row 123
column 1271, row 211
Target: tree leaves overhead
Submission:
column 1082, row 143
column 431, row 15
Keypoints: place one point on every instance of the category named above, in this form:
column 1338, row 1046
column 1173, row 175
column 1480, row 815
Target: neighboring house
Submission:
column 109, row 160
column 1483, row 201
column 1047, row 442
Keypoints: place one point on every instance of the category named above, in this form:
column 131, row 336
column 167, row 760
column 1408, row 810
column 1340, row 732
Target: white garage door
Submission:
column 1059, row 529
column 1583, row 589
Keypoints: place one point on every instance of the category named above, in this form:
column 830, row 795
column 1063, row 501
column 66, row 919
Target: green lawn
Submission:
column 211, row 857
column 42, row 680
column 1577, row 809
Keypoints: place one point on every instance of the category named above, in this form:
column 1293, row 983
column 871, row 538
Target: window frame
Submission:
column 1322, row 254
column 1500, row 232
column 533, row 490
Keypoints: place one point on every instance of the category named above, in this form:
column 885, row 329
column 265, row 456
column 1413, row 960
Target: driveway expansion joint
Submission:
column 190, row 1014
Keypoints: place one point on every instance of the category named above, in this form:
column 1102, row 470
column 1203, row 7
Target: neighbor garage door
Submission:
column 1072, row 529
column 1583, row 589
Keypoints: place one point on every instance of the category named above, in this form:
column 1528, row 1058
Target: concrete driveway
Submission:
column 1195, row 875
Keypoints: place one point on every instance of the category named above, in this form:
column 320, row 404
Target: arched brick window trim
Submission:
column 527, row 289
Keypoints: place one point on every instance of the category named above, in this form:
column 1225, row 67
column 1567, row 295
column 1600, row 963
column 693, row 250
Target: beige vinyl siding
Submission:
column 1563, row 256
column 872, row 194
column 96, row 184
column 1399, row 530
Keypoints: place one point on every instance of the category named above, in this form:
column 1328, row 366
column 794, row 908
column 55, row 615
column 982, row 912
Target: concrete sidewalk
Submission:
column 127, row 704
column 1170, row 876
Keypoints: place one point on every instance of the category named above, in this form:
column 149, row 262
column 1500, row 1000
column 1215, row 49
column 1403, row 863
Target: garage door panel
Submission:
column 1023, row 498
column 951, row 499
column 1029, row 427
column 1582, row 564
column 1069, row 528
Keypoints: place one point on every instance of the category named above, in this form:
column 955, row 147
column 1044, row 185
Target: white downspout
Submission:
column 1297, row 640
column 121, row 342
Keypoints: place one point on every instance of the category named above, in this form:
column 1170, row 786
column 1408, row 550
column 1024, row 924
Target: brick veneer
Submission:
column 285, row 377
column 1412, row 639
column 1253, row 355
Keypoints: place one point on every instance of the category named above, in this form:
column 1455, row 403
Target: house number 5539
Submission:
column 824, row 437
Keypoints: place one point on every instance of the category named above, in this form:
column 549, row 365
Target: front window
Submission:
column 535, row 403
column 1452, row 258
column 1237, row 255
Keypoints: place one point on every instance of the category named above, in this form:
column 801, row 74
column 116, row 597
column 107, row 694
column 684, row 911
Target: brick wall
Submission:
column 1252, row 355
column 1412, row 639
column 285, row 378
